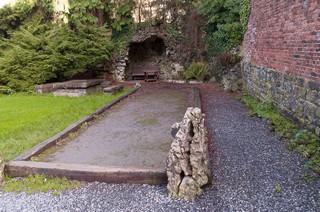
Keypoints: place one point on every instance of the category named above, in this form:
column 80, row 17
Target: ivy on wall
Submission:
column 226, row 23
column 244, row 14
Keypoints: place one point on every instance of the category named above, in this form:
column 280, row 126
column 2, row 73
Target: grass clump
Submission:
column 28, row 119
column 39, row 183
column 308, row 144
column 302, row 141
column 266, row 110
column 278, row 188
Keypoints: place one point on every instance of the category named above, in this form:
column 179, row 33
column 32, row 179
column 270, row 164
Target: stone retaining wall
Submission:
column 282, row 46
column 296, row 97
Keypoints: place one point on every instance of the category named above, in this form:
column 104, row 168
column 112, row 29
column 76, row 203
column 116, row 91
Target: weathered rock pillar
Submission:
column 1, row 169
column 187, row 161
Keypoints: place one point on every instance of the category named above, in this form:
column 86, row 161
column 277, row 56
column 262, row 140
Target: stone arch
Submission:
column 146, row 51
column 150, row 47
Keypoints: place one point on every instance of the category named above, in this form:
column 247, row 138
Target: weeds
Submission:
column 39, row 183
column 302, row 141
column 278, row 188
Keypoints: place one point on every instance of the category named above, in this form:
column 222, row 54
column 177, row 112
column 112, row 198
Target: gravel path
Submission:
column 248, row 163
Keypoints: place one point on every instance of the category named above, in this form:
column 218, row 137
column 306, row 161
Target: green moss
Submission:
column 278, row 188
column 302, row 141
column 39, row 183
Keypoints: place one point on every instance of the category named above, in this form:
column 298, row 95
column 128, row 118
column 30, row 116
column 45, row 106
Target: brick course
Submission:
column 285, row 36
column 282, row 57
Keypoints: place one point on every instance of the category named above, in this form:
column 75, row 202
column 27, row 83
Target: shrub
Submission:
column 226, row 23
column 56, row 54
column 198, row 71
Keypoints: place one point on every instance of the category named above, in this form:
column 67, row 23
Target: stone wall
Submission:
column 296, row 97
column 282, row 57
column 169, row 61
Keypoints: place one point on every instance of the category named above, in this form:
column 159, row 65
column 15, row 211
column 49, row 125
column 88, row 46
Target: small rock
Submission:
column 137, row 85
column 105, row 84
column 232, row 80
column 174, row 129
column 213, row 79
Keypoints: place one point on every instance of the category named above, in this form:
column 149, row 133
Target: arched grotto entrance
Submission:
column 147, row 53
column 151, row 47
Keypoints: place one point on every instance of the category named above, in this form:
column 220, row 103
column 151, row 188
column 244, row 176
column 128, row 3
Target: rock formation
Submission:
column 233, row 81
column 187, row 161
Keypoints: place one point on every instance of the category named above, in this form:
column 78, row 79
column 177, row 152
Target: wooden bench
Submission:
column 113, row 89
column 146, row 73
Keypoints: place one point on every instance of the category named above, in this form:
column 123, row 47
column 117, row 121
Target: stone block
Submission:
column 48, row 88
column 314, row 85
column 111, row 90
column 287, row 86
column 70, row 92
column 81, row 84
column 299, row 109
column 105, row 84
column 300, row 92
column 309, row 111
column 77, row 92
column 300, row 81
column 313, row 96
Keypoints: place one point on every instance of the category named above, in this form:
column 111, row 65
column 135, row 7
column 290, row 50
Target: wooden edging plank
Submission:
column 38, row 149
column 21, row 167
column 135, row 175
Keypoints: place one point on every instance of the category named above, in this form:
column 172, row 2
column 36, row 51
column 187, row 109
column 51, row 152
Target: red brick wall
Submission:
column 284, row 35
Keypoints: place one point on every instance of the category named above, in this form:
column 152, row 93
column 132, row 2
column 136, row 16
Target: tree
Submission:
column 226, row 23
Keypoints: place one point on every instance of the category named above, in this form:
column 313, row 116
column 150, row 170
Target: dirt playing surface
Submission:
column 135, row 132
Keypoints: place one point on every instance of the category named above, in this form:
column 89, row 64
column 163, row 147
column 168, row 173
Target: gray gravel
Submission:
column 247, row 161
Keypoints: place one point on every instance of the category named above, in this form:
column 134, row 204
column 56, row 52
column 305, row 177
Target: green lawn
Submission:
column 28, row 119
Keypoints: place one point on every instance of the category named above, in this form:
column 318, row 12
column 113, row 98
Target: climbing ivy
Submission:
column 47, row 6
column 174, row 31
column 244, row 14
column 123, row 17
column 226, row 23
column 89, row 11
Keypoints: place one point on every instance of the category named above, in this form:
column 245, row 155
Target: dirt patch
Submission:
column 135, row 132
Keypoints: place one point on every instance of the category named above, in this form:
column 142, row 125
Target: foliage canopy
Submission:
column 35, row 51
column 59, row 53
column 226, row 23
